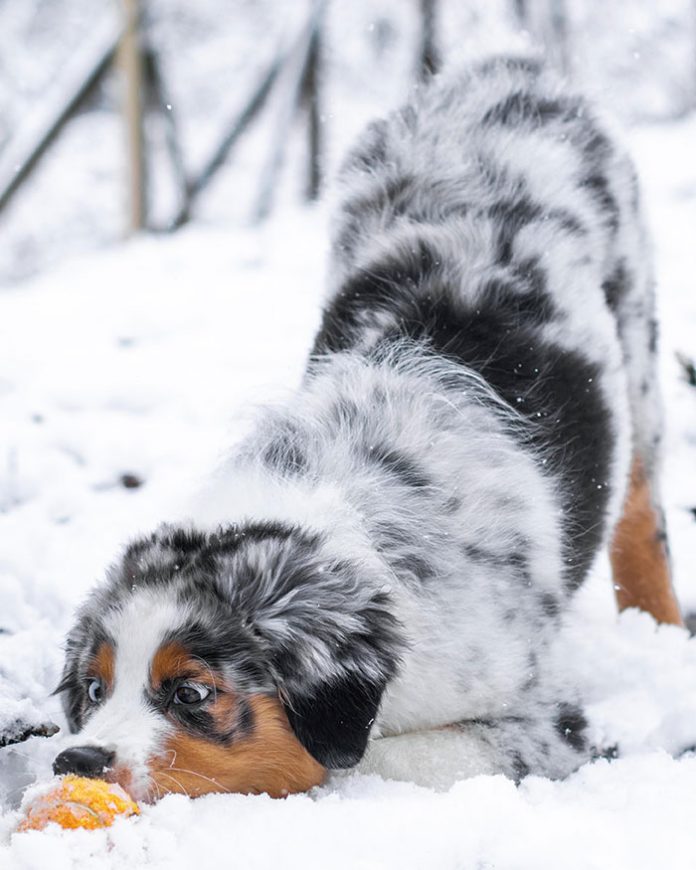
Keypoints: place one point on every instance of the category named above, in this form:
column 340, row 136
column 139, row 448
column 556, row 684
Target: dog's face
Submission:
column 224, row 662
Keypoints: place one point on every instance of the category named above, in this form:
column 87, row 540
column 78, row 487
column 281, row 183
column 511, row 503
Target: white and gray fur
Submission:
column 393, row 550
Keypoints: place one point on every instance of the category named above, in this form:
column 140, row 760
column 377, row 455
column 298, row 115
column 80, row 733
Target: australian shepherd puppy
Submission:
column 391, row 553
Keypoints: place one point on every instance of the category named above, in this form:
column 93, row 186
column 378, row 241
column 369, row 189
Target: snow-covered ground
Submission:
column 145, row 361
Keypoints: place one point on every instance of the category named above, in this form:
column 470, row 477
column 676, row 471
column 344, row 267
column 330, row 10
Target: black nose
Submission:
column 91, row 761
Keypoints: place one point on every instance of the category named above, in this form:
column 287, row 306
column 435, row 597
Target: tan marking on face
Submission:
column 102, row 665
column 270, row 760
column 173, row 660
column 639, row 560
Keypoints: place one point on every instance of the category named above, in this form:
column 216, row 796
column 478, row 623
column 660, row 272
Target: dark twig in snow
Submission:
column 688, row 367
column 20, row 731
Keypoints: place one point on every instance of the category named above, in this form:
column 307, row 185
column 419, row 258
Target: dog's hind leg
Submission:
column 639, row 555
column 639, row 550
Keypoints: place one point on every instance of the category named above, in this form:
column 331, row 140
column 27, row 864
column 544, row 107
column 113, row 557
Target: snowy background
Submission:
column 128, row 368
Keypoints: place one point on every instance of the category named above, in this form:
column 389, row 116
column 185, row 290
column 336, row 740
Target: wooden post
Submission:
column 131, row 59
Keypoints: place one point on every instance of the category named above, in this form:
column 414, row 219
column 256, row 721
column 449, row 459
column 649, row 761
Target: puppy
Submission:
column 391, row 553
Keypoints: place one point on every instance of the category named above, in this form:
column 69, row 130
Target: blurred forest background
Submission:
column 248, row 104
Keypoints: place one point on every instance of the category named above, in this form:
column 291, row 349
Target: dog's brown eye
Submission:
column 95, row 691
column 191, row 693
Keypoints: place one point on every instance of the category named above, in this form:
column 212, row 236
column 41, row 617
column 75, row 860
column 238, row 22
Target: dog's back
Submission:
column 498, row 220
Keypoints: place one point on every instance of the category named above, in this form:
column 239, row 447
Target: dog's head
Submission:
column 244, row 660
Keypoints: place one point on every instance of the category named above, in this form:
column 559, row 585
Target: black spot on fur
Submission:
column 598, row 186
column 571, row 725
column 478, row 554
column 515, row 559
column 520, row 767
column 393, row 195
column 617, row 286
column 518, row 560
column 406, row 470
column 513, row 215
column 391, row 199
column 510, row 64
column 523, row 107
column 345, row 412
column 525, row 291
column 550, row 604
column 402, row 550
column 596, row 145
column 452, row 505
column 285, row 453
column 654, row 332
column 412, row 565
column 372, row 149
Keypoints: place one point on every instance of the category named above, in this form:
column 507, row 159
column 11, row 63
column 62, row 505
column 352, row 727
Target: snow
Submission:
column 145, row 360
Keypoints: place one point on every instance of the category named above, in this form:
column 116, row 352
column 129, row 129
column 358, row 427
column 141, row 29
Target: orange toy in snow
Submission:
column 76, row 802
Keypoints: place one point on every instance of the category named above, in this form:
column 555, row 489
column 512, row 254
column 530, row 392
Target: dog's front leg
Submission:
column 435, row 759
column 550, row 741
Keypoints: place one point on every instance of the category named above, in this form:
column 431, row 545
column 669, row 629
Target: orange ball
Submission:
column 77, row 802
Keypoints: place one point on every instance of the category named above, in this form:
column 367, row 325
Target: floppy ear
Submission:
column 330, row 637
column 332, row 721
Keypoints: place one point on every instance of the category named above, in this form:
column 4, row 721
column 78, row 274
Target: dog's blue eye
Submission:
column 190, row 693
column 95, row 691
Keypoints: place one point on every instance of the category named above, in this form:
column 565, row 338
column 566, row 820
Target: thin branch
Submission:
column 521, row 11
column 310, row 99
column 160, row 99
column 21, row 157
column 429, row 62
column 298, row 63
